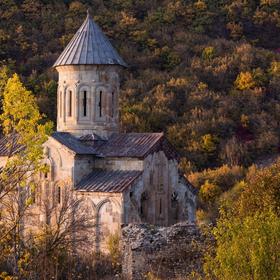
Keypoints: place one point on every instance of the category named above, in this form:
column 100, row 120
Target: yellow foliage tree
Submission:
column 246, row 248
column 25, row 134
column 245, row 81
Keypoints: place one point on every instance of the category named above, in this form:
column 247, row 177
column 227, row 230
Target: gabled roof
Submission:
column 136, row 145
column 112, row 181
column 130, row 145
column 89, row 46
column 73, row 144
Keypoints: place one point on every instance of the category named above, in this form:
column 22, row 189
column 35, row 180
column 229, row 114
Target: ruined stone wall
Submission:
column 164, row 252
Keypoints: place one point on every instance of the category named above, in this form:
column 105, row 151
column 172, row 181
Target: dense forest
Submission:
column 205, row 72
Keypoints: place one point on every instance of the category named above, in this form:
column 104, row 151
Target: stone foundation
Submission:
column 165, row 252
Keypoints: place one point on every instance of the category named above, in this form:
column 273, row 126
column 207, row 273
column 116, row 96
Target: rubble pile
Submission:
column 167, row 252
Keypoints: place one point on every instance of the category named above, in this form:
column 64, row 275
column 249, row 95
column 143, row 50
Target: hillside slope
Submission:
column 205, row 72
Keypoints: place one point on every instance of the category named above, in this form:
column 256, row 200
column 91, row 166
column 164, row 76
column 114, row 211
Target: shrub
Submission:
column 113, row 246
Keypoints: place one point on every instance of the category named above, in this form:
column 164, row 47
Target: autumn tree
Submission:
column 58, row 248
column 24, row 134
column 247, row 230
column 246, row 248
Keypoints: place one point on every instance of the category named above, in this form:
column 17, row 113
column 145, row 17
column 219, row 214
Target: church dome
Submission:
column 89, row 46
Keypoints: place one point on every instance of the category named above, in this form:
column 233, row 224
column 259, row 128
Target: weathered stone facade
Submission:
column 159, row 196
column 173, row 252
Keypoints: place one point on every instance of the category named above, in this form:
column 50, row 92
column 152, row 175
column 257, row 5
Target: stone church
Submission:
column 121, row 177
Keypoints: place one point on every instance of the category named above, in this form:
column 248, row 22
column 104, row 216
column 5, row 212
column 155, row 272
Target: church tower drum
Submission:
column 88, row 86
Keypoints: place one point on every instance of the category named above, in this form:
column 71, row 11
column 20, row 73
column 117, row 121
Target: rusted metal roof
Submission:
column 73, row 143
column 130, row 145
column 89, row 46
column 112, row 181
column 137, row 145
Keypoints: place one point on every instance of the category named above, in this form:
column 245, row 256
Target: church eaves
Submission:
column 89, row 46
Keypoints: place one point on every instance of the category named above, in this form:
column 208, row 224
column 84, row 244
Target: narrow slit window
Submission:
column 160, row 207
column 100, row 104
column 112, row 110
column 85, row 103
column 70, row 104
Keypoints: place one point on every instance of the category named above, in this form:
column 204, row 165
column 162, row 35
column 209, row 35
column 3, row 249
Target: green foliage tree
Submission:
column 247, row 231
column 246, row 248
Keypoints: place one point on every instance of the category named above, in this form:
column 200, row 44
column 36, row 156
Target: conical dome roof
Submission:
column 89, row 46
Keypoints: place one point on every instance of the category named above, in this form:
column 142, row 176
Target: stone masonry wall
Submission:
column 165, row 252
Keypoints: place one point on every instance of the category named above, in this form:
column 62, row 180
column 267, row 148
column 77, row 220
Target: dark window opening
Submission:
column 174, row 200
column 160, row 207
column 100, row 104
column 85, row 103
column 70, row 104
column 144, row 206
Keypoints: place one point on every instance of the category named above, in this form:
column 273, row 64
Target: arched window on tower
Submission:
column 70, row 104
column 84, row 103
column 100, row 103
column 83, row 109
